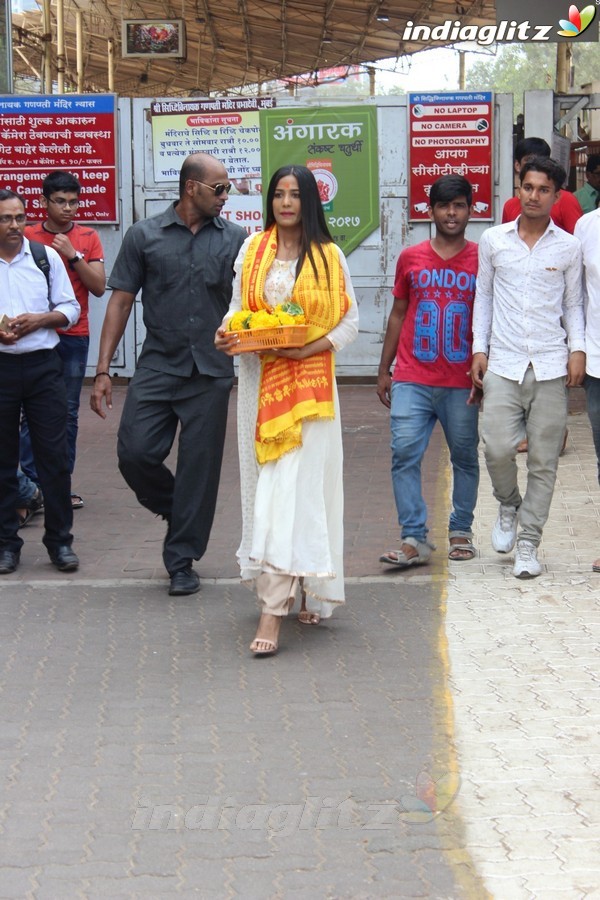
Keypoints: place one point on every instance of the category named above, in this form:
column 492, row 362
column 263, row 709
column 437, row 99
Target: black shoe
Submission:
column 9, row 560
column 185, row 581
column 63, row 558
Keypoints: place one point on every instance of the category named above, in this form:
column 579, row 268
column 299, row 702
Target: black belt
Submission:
column 32, row 354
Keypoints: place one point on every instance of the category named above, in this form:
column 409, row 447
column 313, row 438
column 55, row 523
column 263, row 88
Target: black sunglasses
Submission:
column 217, row 188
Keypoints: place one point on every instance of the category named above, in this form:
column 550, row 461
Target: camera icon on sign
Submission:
column 480, row 207
column 421, row 207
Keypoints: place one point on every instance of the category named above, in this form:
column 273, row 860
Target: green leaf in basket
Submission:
column 292, row 309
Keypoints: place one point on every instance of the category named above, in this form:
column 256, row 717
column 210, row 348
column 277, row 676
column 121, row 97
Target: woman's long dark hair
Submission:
column 314, row 226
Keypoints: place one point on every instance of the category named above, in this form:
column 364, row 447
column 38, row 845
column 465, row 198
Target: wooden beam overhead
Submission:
column 235, row 43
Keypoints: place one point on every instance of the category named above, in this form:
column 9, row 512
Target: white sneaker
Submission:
column 504, row 532
column 526, row 561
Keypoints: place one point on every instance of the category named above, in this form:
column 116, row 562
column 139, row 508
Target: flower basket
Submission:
column 265, row 339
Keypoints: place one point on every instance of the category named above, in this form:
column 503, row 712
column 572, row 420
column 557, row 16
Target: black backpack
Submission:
column 40, row 257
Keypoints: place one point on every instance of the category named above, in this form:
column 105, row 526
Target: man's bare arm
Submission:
column 389, row 350
column 115, row 320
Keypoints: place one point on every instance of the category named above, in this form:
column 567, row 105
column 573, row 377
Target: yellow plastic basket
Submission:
column 255, row 339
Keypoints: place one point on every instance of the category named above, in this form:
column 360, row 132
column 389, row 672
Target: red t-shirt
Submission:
column 86, row 241
column 436, row 336
column 565, row 211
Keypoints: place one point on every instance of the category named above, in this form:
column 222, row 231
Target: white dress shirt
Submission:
column 528, row 302
column 587, row 230
column 24, row 289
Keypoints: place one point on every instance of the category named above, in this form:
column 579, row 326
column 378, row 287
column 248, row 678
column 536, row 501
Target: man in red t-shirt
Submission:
column 565, row 211
column 81, row 251
column 429, row 335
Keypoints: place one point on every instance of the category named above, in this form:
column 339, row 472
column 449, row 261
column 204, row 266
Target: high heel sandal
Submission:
column 305, row 616
column 265, row 646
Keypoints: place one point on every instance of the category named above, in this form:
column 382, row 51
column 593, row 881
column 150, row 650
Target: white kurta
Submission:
column 293, row 507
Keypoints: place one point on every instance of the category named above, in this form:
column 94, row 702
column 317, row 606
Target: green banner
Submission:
column 339, row 145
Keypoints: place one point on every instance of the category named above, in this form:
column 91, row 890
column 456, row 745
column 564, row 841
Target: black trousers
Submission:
column 155, row 406
column 34, row 382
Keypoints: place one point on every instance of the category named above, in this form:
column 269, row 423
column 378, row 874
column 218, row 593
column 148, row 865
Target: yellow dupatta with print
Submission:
column 293, row 390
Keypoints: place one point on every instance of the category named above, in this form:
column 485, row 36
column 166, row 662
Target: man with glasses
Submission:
column 81, row 252
column 182, row 261
column 31, row 378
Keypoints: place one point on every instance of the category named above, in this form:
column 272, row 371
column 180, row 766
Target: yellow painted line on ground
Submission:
column 446, row 772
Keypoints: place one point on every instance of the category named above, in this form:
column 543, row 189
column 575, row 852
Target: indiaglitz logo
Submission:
column 578, row 21
column 431, row 798
column 505, row 30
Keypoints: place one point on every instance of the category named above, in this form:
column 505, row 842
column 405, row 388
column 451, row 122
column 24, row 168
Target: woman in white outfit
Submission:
column 289, row 431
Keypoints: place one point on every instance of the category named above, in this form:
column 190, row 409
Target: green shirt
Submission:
column 588, row 197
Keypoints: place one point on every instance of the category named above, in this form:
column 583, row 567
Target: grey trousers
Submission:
column 539, row 408
column 155, row 406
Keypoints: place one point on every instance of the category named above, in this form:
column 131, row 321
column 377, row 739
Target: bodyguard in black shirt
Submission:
column 182, row 261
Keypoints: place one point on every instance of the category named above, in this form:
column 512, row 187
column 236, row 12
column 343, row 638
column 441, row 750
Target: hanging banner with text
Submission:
column 74, row 132
column 227, row 128
column 450, row 134
column 339, row 145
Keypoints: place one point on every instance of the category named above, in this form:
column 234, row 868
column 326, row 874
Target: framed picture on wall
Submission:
column 153, row 37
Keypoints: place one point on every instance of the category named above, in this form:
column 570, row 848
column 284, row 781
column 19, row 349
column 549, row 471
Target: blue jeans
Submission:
column 73, row 351
column 592, row 396
column 27, row 489
column 415, row 410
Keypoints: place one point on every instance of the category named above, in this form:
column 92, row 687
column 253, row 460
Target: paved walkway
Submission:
column 437, row 738
column 525, row 685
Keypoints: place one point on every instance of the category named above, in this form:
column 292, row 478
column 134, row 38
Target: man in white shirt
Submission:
column 31, row 309
column 588, row 232
column 528, row 334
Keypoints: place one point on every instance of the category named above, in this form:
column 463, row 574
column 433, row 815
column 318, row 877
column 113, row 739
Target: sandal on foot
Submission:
column 399, row 558
column 596, row 565
column 77, row 501
column 308, row 618
column 33, row 508
column 269, row 649
column 305, row 616
column 523, row 446
column 463, row 548
column 25, row 515
column 263, row 646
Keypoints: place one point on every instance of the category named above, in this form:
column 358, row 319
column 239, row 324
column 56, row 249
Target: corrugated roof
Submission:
column 234, row 43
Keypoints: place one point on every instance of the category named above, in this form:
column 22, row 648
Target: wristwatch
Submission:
column 76, row 258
